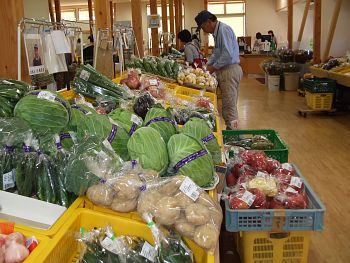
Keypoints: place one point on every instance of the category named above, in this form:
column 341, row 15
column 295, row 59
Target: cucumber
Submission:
column 168, row 69
column 161, row 69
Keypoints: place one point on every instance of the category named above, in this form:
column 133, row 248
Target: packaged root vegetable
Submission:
column 179, row 203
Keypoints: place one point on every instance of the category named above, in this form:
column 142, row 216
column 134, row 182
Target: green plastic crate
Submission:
column 280, row 151
column 320, row 85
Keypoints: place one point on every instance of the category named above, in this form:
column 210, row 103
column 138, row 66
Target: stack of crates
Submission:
column 319, row 93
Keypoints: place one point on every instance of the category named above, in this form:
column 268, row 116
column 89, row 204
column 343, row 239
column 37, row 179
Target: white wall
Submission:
column 262, row 17
column 309, row 25
column 38, row 9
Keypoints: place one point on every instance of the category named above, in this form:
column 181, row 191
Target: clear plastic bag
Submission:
column 178, row 202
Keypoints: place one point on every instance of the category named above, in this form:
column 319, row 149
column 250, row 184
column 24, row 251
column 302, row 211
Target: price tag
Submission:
column 291, row 190
column 115, row 245
column 248, row 198
column 189, row 188
column 261, row 174
column 8, row 180
column 148, row 251
column 287, row 166
column 244, row 185
column 296, row 181
column 153, row 82
column 84, row 75
column 136, row 119
column 46, row 95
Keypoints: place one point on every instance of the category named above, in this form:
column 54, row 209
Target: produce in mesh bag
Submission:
column 199, row 129
column 290, row 199
column 102, row 245
column 13, row 245
column 189, row 156
column 132, row 80
column 45, row 111
column 252, row 198
column 178, row 202
column 90, row 162
column 103, row 127
column 148, row 147
column 143, row 104
column 161, row 120
column 126, row 119
column 168, row 244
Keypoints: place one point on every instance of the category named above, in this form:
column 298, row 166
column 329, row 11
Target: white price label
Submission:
column 244, row 185
column 8, row 180
column 261, row 174
column 189, row 188
column 115, row 245
column 287, row 166
column 153, row 82
column 84, row 75
column 136, row 119
column 248, row 198
column 148, row 251
column 296, row 181
column 46, row 95
column 36, row 70
column 291, row 190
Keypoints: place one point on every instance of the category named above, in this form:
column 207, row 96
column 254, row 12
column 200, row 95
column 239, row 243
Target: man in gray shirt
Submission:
column 225, row 63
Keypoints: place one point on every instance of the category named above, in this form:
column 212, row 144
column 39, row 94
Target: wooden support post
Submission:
column 332, row 29
column 171, row 15
column 115, row 11
column 52, row 14
column 154, row 31
column 111, row 15
column 137, row 24
column 317, row 31
column 58, row 11
column 10, row 14
column 177, row 22
column 164, row 16
column 206, row 37
column 91, row 17
column 180, row 14
column 303, row 21
column 290, row 24
column 102, row 16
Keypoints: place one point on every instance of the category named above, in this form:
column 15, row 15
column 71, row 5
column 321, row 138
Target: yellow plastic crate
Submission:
column 42, row 246
column 78, row 203
column 273, row 247
column 190, row 92
column 64, row 248
column 70, row 95
column 319, row 101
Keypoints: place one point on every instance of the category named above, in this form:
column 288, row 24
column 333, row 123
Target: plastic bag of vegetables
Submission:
column 126, row 119
column 122, row 192
column 46, row 112
column 178, row 202
column 161, row 120
column 169, row 247
column 189, row 156
column 200, row 129
column 147, row 146
column 143, row 104
column 90, row 162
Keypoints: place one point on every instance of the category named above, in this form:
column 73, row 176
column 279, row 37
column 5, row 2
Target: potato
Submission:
column 167, row 211
column 127, row 187
column 206, row 236
column 183, row 200
column 184, row 228
column 124, row 206
column 216, row 217
column 100, row 194
column 172, row 187
column 197, row 214
column 147, row 201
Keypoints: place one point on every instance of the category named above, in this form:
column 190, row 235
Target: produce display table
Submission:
column 341, row 79
column 250, row 63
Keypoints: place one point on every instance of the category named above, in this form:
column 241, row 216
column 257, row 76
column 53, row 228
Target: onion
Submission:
column 16, row 253
column 17, row 237
column 133, row 82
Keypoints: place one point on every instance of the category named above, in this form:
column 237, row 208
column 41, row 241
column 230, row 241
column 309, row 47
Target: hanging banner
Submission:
column 34, row 52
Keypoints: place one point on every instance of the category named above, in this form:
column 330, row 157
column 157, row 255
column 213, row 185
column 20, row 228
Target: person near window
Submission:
column 192, row 52
column 273, row 37
column 225, row 63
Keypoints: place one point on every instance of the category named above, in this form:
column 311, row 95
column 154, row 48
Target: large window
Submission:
column 231, row 13
column 68, row 15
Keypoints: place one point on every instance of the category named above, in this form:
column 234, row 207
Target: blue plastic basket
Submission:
column 278, row 219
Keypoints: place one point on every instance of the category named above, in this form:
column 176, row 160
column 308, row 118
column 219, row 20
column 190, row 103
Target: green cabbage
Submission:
column 201, row 169
column 199, row 129
column 126, row 119
column 148, row 147
column 161, row 120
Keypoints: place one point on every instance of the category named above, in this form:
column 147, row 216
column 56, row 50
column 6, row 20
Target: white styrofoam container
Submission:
column 29, row 211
